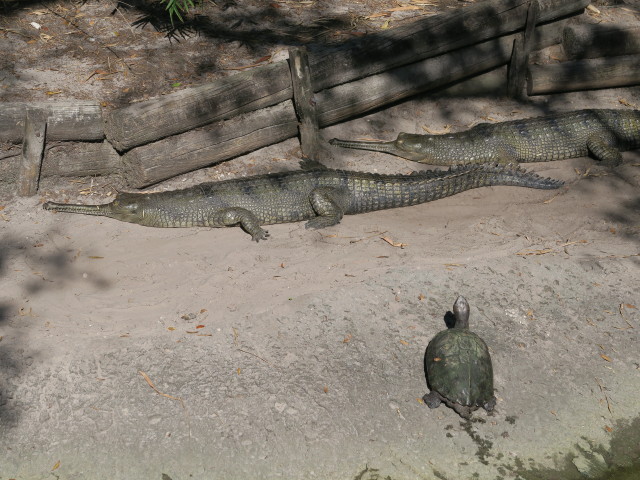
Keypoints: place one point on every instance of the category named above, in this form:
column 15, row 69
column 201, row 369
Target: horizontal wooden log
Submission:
column 77, row 120
column 429, row 37
column 589, row 74
column 260, row 87
column 79, row 159
column 352, row 99
column 600, row 40
column 179, row 154
column 66, row 159
column 152, row 163
column 179, row 112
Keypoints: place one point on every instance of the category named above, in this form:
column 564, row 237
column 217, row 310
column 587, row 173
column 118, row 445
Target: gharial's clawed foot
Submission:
column 260, row 235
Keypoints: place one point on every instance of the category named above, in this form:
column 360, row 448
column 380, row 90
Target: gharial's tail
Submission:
column 500, row 174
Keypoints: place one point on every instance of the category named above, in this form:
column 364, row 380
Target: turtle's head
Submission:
column 461, row 312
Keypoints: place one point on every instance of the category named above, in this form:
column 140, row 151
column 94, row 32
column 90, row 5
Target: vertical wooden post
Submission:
column 35, row 128
column 520, row 54
column 304, row 102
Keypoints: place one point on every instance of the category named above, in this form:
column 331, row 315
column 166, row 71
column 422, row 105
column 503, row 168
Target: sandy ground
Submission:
column 302, row 356
column 131, row 352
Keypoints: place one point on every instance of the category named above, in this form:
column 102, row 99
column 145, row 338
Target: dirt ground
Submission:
column 132, row 352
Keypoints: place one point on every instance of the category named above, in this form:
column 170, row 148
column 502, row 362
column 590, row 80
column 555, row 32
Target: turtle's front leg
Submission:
column 228, row 217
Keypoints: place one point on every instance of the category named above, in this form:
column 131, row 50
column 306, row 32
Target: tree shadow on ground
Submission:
column 44, row 270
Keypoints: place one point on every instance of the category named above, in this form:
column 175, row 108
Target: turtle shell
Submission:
column 459, row 367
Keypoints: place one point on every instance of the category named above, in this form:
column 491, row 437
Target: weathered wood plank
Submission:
column 600, row 40
column 260, row 87
column 355, row 98
column 430, row 37
column 587, row 74
column 77, row 120
column 152, row 163
column 179, row 112
column 35, row 128
column 521, row 49
column 79, row 159
column 304, row 103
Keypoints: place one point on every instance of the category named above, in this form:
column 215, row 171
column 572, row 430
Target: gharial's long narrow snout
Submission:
column 398, row 147
column 101, row 210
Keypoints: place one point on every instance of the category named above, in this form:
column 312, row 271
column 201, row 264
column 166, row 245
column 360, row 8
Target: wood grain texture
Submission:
column 77, row 120
column 600, row 40
column 586, row 74
column 304, row 102
column 78, row 159
column 35, row 128
column 145, row 122
column 152, row 163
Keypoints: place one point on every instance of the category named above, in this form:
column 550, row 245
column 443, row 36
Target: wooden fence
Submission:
column 151, row 141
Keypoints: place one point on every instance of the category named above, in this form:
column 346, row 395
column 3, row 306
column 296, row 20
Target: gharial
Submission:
column 603, row 133
column 317, row 194
column 458, row 367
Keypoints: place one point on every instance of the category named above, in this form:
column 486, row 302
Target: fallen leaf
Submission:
column 392, row 243
column 171, row 329
column 325, row 389
column 148, row 380
column 377, row 15
column 437, row 359
column 612, row 230
column 604, row 357
column 239, row 371
column 421, row 297
column 404, row 342
column 347, row 338
column 199, row 326
column 95, row 257
column 447, row 129
column 402, row 9
column 593, row 9
column 608, row 428
column 56, row 466
column 628, row 305
column 56, row 92
column 535, row 252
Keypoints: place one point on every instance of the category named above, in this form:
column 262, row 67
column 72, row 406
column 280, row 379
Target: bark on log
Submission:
column 590, row 74
column 260, row 87
column 152, row 163
column 179, row 112
column 35, row 128
column 522, row 47
column 67, row 121
column 76, row 159
column 304, row 103
column 600, row 40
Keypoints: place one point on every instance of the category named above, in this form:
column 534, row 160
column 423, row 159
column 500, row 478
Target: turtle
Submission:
column 458, row 367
